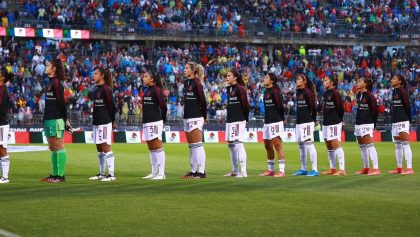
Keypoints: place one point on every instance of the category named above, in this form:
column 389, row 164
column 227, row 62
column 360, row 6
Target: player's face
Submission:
column 300, row 82
column 267, row 82
column 361, row 84
column 395, row 82
column 328, row 83
column 49, row 69
column 147, row 79
column 230, row 79
column 97, row 76
column 187, row 71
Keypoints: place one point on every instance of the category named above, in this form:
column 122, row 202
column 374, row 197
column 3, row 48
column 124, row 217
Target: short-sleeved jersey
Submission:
column 4, row 105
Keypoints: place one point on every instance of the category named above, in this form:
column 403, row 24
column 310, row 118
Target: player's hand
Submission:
column 206, row 121
column 68, row 127
column 114, row 125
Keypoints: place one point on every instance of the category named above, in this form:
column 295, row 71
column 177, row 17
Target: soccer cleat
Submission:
column 373, row 172
column 109, row 178
column 97, row 177
column 48, row 178
column 199, row 175
column 408, row 171
column 267, row 173
column 242, row 175
column 57, row 179
column 189, row 175
column 340, row 173
column 158, row 177
column 279, row 174
column 231, row 174
column 149, row 176
column 396, row 171
column 363, row 171
column 4, row 180
column 300, row 173
column 313, row 173
column 329, row 172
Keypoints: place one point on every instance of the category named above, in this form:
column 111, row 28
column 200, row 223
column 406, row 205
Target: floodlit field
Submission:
column 217, row 206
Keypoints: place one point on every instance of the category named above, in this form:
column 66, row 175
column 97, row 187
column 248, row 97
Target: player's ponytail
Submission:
column 333, row 79
column 200, row 72
column 60, row 72
column 402, row 80
column 369, row 83
column 107, row 76
column 239, row 78
column 309, row 84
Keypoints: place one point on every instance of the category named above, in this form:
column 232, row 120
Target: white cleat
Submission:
column 149, row 176
column 109, row 178
column 242, row 175
column 4, row 180
column 159, row 177
column 97, row 177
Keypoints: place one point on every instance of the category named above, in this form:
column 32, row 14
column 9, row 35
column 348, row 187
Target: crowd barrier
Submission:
column 179, row 137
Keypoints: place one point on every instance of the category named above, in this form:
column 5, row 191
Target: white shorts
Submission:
column 4, row 135
column 193, row 123
column 273, row 130
column 363, row 130
column 400, row 127
column 305, row 131
column 332, row 132
column 235, row 131
column 153, row 130
column 102, row 133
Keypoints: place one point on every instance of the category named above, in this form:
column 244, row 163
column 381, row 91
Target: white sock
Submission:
column 160, row 157
column 303, row 156
column 201, row 159
column 153, row 162
column 110, row 161
column 193, row 158
column 339, row 152
column 365, row 155
column 312, row 154
column 373, row 155
column 408, row 154
column 399, row 153
column 242, row 156
column 233, row 156
column 282, row 165
column 331, row 158
column 102, row 163
column 270, row 165
column 5, row 165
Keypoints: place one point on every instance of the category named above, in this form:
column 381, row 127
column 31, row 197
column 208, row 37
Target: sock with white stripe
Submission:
column 331, row 159
column 408, row 154
column 160, row 155
column 365, row 155
column 233, row 156
column 102, row 163
column 5, row 165
column 282, row 165
column 193, row 158
column 153, row 162
column 312, row 154
column 373, row 155
column 242, row 156
column 399, row 153
column 110, row 162
column 270, row 165
column 303, row 156
column 339, row 152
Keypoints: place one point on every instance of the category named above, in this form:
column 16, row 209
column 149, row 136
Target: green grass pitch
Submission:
column 217, row 206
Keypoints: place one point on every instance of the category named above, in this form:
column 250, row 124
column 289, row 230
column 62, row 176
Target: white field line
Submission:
column 7, row 234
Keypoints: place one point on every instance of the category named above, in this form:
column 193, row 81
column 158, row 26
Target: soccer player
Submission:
column 401, row 116
column 333, row 111
column 366, row 117
column 154, row 116
column 273, row 125
column 103, row 122
column 237, row 116
column 5, row 76
column 55, row 119
column 305, row 123
column 195, row 113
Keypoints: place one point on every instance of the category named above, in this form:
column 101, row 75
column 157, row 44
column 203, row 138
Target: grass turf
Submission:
column 217, row 206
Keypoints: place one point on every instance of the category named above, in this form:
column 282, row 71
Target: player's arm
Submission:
column 201, row 98
column 373, row 107
column 161, row 101
column 244, row 101
column 406, row 103
column 339, row 107
column 110, row 102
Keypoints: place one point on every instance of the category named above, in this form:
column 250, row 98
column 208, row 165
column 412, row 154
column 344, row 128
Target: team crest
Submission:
column 98, row 96
column 301, row 97
column 396, row 96
column 267, row 96
column 232, row 94
column 329, row 97
column 190, row 88
column 364, row 100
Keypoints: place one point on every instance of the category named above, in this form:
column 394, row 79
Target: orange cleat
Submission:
column 373, row 172
column 267, row 173
column 279, row 174
column 396, row 171
column 329, row 172
column 408, row 171
column 363, row 171
column 340, row 173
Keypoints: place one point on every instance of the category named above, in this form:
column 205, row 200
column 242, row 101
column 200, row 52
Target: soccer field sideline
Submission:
column 216, row 206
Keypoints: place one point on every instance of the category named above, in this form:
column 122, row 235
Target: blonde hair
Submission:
column 200, row 72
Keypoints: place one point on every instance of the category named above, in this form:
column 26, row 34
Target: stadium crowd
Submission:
column 127, row 63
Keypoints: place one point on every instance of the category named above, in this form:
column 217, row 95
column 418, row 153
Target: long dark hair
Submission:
column 7, row 76
column 60, row 72
column 155, row 77
column 273, row 77
column 402, row 80
column 107, row 76
column 369, row 83
column 333, row 79
column 239, row 78
column 309, row 84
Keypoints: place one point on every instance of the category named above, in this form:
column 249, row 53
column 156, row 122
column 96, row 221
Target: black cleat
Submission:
column 200, row 175
column 190, row 175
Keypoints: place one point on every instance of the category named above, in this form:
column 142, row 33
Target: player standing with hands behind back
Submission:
column 103, row 122
column 154, row 116
column 5, row 76
column 195, row 113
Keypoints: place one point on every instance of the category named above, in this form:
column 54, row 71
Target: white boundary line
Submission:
column 7, row 233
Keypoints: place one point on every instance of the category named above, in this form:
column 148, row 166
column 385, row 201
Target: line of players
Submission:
column 195, row 116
